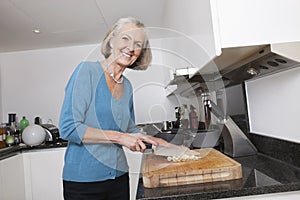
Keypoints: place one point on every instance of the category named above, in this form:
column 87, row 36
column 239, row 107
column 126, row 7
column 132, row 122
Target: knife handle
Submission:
column 148, row 145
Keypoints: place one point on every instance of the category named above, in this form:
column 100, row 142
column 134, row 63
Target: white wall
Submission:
column 290, row 50
column 33, row 82
column 273, row 105
column 1, row 120
column 192, row 24
column 151, row 104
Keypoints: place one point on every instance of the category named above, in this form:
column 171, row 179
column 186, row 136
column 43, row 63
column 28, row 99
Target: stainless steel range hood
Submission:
column 261, row 63
column 238, row 64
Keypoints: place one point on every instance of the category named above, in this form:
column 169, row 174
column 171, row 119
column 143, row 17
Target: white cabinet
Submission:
column 12, row 178
column 43, row 174
column 204, row 27
column 36, row 175
column 253, row 22
column 217, row 34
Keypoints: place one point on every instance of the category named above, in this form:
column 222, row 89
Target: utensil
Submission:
column 33, row 135
column 173, row 150
column 157, row 128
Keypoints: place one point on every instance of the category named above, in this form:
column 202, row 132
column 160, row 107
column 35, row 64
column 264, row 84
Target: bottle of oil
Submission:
column 193, row 118
column 2, row 136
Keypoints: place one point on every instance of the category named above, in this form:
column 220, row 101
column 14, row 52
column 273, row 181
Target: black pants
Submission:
column 117, row 189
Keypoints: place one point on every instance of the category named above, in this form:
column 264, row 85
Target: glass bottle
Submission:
column 17, row 136
column 23, row 124
column 2, row 136
column 11, row 129
column 193, row 118
column 10, row 136
column 11, row 118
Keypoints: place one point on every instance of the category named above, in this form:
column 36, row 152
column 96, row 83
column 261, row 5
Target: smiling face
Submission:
column 127, row 45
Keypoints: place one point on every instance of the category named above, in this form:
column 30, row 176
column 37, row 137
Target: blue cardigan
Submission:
column 89, row 103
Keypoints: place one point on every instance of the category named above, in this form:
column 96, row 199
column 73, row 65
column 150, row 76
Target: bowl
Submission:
column 33, row 135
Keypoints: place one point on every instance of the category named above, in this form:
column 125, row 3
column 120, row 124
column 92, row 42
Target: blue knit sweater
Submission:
column 89, row 103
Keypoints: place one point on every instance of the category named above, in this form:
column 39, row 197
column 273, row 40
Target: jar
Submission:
column 2, row 136
column 10, row 136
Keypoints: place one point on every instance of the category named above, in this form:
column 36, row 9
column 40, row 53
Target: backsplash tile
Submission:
column 280, row 149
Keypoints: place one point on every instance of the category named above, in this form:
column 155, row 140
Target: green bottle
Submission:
column 23, row 123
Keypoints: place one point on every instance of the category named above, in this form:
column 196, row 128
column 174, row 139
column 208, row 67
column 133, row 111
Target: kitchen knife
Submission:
column 173, row 150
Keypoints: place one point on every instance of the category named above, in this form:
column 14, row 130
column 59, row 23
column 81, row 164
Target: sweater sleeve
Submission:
column 131, row 126
column 77, row 99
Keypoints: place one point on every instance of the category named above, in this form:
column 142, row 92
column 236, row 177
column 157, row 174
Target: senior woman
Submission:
column 97, row 117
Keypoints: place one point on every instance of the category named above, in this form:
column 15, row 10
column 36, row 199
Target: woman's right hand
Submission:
column 135, row 142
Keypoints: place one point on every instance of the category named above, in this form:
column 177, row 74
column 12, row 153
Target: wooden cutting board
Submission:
column 213, row 166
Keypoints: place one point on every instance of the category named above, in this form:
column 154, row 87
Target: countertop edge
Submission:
column 232, row 193
column 15, row 150
column 252, row 191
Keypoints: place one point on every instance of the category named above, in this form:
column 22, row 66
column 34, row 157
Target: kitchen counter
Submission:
column 14, row 150
column 261, row 174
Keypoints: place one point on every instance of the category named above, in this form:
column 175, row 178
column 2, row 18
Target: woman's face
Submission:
column 127, row 45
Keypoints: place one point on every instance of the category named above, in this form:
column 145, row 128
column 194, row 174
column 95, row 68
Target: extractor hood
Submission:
column 238, row 64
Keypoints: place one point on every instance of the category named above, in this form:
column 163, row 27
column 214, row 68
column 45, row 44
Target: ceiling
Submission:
column 68, row 22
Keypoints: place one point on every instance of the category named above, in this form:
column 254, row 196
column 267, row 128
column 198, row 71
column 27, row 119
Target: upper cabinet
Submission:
column 213, row 35
column 255, row 22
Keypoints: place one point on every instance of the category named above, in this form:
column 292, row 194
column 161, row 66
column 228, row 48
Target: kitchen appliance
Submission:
column 262, row 63
column 52, row 133
column 167, row 125
column 213, row 166
column 33, row 135
column 236, row 65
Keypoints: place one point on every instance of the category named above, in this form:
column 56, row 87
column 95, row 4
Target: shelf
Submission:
column 178, row 80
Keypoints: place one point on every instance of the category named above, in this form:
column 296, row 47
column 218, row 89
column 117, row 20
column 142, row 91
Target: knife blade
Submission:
column 173, row 151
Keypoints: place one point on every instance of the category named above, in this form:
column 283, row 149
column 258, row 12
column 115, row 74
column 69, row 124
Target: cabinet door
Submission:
column 252, row 22
column 12, row 178
column 44, row 179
